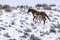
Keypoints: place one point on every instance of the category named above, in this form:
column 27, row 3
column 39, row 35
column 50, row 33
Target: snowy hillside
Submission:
column 18, row 25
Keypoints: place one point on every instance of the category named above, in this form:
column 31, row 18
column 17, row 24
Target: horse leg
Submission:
column 33, row 18
column 44, row 20
column 36, row 18
column 47, row 16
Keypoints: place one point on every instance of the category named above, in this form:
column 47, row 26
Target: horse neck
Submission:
column 34, row 11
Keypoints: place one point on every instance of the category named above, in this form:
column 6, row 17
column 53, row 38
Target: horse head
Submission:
column 31, row 10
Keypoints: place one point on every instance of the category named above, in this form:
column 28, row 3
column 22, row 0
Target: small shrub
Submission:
column 41, row 5
column 0, row 6
column 2, row 28
column 21, row 6
column 44, row 5
column 18, row 6
column 38, row 5
column 52, row 30
column 5, row 6
column 6, row 35
column 58, row 25
column 47, row 8
column 34, row 38
column 52, row 5
column 7, row 9
column 27, row 30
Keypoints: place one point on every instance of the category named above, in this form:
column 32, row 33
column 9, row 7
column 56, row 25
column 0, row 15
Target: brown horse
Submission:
column 40, row 14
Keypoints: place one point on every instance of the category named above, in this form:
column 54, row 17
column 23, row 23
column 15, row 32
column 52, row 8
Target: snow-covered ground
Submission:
column 18, row 25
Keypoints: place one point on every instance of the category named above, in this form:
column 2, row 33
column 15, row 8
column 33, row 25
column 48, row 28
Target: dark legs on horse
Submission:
column 44, row 19
column 34, row 17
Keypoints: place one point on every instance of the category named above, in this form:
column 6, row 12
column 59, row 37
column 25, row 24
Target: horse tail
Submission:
column 47, row 16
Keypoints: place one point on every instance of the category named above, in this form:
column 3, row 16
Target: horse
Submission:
column 43, row 15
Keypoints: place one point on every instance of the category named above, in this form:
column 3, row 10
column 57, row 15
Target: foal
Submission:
column 38, row 14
